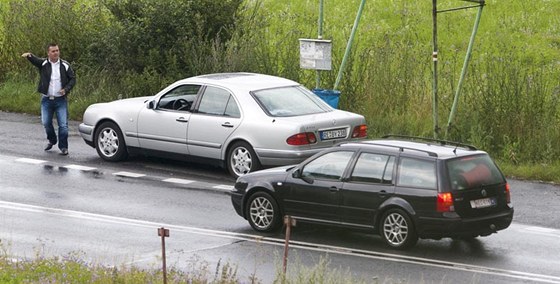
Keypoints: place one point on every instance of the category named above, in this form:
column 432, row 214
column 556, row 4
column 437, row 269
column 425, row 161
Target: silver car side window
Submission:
column 180, row 98
column 214, row 101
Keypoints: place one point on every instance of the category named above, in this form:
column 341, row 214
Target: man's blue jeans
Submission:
column 49, row 108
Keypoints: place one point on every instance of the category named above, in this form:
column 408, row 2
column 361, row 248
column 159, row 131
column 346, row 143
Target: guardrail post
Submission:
column 289, row 222
column 163, row 233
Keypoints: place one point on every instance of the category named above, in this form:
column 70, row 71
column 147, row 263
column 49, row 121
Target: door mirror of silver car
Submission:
column 151, row 105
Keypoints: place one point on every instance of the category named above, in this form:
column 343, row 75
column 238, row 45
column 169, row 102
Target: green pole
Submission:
column 464, row 70
column 349, row 45
column 320, row 32
column 435, row 81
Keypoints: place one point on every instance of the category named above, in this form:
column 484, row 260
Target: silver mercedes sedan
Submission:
column 240, row 121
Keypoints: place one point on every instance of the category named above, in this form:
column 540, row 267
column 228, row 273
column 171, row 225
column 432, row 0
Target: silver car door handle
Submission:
column 227, row 124
column 182, row 119
column 333, row 188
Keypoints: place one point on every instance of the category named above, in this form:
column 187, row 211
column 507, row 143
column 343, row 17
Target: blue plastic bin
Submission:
column 331, row 97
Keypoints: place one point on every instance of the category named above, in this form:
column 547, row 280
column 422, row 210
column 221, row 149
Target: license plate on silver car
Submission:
column 333, row 134
column 483, row 203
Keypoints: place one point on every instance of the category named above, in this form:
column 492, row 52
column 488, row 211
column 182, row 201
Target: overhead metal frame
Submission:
column 479, row 4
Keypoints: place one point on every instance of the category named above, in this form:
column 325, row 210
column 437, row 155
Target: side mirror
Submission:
column 298, row 174
column 151, row 105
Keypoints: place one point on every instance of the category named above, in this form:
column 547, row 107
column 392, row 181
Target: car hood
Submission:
column 272, row 173
column 131, row 101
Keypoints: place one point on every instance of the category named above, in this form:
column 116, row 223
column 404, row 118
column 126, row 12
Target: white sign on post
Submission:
column 315, row 54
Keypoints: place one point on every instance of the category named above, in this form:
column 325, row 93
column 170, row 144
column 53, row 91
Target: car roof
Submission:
column 434, row 149
column 242, row 80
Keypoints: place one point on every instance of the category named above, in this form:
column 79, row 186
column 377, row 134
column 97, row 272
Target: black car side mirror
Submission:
column 297, row 174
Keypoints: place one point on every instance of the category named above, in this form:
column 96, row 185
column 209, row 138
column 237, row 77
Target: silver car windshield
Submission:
column 290, row 101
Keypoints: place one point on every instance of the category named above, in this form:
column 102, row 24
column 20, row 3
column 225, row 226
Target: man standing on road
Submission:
column 56, row 80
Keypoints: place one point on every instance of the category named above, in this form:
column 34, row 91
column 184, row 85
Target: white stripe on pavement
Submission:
column 128, row 174
column 178, row 180
column 30, row 161
column 78, row 167
column 224, row 187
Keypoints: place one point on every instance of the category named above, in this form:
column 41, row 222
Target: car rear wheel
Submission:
column 397, row 229
column 263, row 213
column 109, row 142
column 242, row 159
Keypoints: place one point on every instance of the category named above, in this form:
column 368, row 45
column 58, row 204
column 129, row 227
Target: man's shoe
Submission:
column 48, row 146
column 64, row 151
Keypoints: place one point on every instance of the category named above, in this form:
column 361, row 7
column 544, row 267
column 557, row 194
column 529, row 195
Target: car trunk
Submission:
column 328, row 127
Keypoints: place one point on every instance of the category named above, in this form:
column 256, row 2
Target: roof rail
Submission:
column 401, row 148
column 440, row 141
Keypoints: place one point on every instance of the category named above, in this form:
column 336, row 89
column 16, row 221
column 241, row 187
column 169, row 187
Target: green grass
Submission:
column 73, row 269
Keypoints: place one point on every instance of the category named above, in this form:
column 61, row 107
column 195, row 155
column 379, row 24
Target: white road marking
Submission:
column 128, row 174
column 549, row 232
column 293, row 244
column 178, row 180
column 78, row 167
column 224, row 187
column 30, row 161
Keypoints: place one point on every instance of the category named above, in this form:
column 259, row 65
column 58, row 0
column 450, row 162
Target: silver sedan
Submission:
column 240, row 121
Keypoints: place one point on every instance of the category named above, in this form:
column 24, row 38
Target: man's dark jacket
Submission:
column 67, row 76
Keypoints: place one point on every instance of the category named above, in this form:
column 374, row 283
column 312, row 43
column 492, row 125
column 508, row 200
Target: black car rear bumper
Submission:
column 461, row 227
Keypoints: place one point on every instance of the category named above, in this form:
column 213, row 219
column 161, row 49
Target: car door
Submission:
column 216, row 117
column 315, row 194
column 369, row 184
column 164, row 126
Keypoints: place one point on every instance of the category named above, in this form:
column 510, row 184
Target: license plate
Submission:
column 333, row 134
column 483, row 203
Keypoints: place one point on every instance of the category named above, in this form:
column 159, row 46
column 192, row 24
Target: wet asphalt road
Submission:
column 58, row 206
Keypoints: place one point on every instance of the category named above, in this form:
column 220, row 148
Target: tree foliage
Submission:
column 157, row 35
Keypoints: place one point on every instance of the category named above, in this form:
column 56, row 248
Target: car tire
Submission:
column 263, row 212
column 397, row 229
column 109, row 142
column 241, row 159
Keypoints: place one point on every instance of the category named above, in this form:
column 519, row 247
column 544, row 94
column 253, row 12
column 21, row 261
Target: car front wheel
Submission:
column 263, row 212
column 109, row 142
column 242, row 159
column 397, row 229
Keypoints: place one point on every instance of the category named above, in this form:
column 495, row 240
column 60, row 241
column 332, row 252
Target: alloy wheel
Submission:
column 261, row 212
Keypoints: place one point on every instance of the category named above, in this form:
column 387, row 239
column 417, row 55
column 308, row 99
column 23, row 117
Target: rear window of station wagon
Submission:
column 473, row 171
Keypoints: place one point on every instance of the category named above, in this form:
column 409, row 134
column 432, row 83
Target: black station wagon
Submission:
column 402, row 188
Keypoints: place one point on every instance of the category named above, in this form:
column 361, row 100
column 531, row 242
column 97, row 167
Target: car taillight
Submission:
column 508, row 195
column 303, row 138
column 445, row 202
column 359, row 131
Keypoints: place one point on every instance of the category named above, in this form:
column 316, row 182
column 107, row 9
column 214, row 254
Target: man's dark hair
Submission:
column 51, row 45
